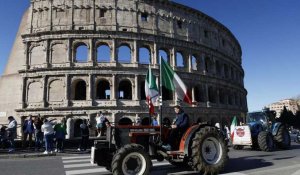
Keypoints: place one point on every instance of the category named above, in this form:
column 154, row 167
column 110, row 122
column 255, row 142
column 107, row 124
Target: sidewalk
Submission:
column 71, row 147
column 30, row 153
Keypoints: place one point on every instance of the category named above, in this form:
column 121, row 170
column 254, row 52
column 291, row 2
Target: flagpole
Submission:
column 160, row 97
column 150, row 123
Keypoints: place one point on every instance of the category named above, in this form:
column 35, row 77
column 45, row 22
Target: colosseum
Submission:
column 73, row 58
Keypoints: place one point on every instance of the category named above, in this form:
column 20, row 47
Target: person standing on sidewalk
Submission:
column 48, row 130
column 11, row 133
column 84, row 136
column 38, row 134
column 60, row 135
column 28, row 131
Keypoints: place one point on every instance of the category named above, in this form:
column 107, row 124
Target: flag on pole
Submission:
column 151, row 90
column 232, row 126
column 172, row 81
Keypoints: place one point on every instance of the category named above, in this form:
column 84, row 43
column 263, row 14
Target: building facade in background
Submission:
column 74, row 58
column 290, row 105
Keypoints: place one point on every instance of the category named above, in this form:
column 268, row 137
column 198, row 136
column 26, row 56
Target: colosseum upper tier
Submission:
column 72, row 58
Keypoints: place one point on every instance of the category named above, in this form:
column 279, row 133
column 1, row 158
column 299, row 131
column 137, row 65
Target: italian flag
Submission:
column 172, row 81
column 232, row 126
column 151, row 90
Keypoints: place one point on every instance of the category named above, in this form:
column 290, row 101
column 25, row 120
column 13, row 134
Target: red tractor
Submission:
column 129, row 149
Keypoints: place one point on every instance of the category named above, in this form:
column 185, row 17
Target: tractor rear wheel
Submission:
column 265, row 141
column 209, row 152
column 283, row 139
column 131, row 159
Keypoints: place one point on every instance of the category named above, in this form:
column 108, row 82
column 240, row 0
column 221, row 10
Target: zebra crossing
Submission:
column 74, row 165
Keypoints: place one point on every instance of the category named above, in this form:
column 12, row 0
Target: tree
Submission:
column 287, row 117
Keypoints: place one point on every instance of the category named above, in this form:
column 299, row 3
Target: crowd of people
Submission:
column 47, row 134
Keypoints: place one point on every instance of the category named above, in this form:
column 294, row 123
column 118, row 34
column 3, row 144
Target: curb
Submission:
column 12, row 156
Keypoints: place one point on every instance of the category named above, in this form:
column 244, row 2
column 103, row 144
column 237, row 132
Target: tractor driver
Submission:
column 179, row 126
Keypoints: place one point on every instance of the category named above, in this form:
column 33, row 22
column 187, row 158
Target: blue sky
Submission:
column 268, row 31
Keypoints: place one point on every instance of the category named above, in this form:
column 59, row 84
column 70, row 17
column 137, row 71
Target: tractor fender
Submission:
column 275, row 128
column 187, row 138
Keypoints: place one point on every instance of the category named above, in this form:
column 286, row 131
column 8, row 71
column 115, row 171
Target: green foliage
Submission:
column 287, row 117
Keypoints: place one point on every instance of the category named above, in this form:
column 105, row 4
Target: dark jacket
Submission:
column 182, row 120
column 26, row 122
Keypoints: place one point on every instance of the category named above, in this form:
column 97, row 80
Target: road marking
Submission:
column 80, row 165
column 277, row 169
column 76, row 157
column 86, row 171
column 78, row 160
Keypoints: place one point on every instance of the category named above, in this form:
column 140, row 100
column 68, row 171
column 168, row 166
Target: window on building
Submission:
column 81, row 53
column 103, row 53
column 103, row 90
column 124, row 54
column 179, row 24
column 80, row 90
column 164, row 55
column 144, row 56
column 205, row 33
column 102, row 13
column 125, row 90
column 144, row 16
column 179, row 60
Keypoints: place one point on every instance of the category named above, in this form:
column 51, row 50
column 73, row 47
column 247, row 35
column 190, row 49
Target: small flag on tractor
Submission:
column 151, row 90
column 232, row 127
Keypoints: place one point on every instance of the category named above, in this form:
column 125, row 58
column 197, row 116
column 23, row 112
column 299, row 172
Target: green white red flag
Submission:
column 151, row 90
column 172, row 81
column 232, row 127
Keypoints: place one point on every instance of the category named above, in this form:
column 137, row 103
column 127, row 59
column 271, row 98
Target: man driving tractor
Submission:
column 179, row 126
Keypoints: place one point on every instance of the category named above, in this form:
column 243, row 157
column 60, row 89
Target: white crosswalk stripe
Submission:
column 74, row 165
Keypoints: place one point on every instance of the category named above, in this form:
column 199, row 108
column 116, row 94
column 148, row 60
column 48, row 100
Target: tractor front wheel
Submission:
column 131, row 159
column 283, row 139
column 265, row 141
column 209, row 152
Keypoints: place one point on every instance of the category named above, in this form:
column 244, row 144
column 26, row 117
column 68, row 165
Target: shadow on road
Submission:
column 245, row 163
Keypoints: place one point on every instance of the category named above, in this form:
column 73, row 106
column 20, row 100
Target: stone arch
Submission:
column 226, row 70
column 103, row 52
column 81, row 53
column 77, row 132
column 222, row 96
column 144, row 55
column 125, row 121
column 194, row 63
column 218, row 67
column 37, row 55
column 79, row 90
column 124, row 53
column 197, row 94
column 35, row 92
column 180, row 62
column 164, row 54
column 56, row 90
column 58, row 53
column 103, row 89
column 125, row 90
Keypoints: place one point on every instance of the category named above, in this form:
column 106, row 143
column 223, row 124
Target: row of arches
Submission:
column 124, row 89
column 126, row 53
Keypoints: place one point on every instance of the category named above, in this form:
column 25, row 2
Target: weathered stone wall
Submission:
column 54, row 83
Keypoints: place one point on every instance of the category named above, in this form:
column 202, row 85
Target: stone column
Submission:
column 173, row 58
column 135, row 53
column 155, row 55
column 91, row 58
column 193, row 94
column 70, row 55
column 207, row 96
column 190, row 66
column 203, row 65
column 90, row 90
column 67, row 90
column 27, row 55
column 48, row 53
column 23, row 96
column 113, row 118
column 50, row 15
column 113, row 87
column 136, row 88
column 45, row 90
column 114, row 55
column 70, row 128
column 92, row 122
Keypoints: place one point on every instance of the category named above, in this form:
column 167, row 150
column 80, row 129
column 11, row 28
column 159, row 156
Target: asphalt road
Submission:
column 242, row 162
